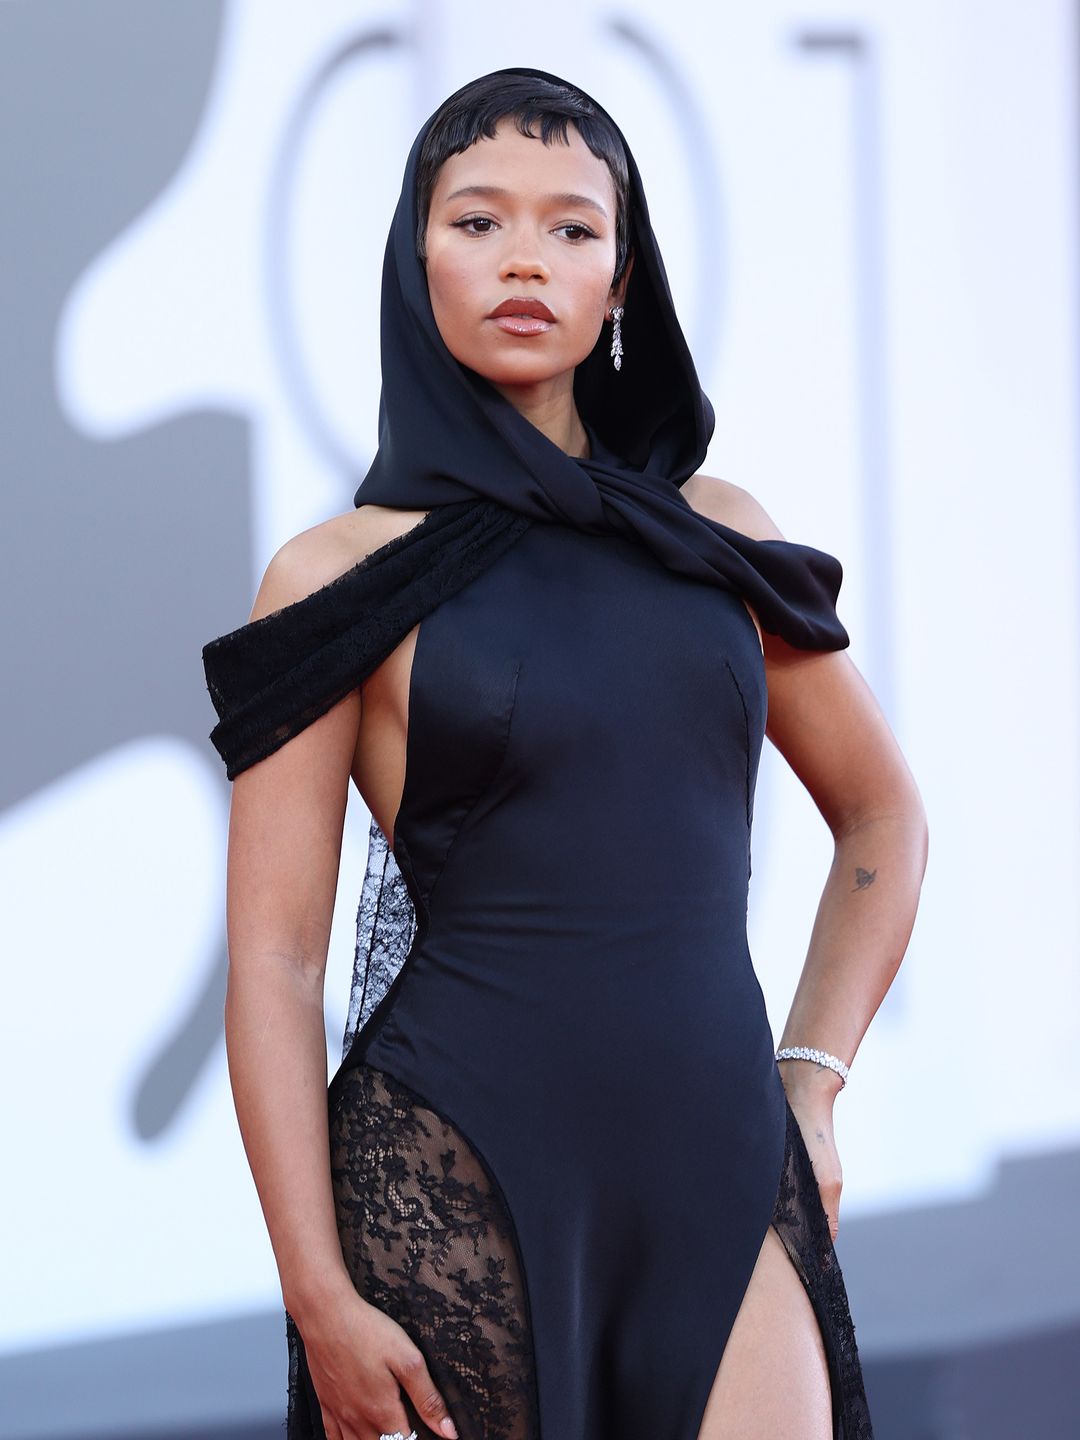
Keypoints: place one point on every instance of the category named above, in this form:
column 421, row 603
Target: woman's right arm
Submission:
column 285, row 828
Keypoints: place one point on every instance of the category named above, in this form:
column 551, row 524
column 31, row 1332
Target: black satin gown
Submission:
column 559, row 1139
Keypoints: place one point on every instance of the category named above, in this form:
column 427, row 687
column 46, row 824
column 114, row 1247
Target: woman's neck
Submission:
column 555, row 416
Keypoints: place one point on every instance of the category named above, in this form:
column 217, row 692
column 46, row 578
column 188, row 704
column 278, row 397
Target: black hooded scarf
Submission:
column 451, row 444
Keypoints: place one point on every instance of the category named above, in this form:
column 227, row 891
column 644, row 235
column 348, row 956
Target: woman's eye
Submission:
column 474, row 220
column 584, row 229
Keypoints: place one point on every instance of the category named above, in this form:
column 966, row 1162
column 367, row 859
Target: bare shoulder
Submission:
column 318, row 555
column 736, row 508
column 730, row 505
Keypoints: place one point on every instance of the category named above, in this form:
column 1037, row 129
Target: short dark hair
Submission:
column 476, row 109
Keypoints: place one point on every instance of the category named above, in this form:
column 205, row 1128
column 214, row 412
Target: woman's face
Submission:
column 515, row 220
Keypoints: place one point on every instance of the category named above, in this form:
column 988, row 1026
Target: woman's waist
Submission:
column 672, row 988
column 570, row 1042
column 587, row 876
column 541, row 921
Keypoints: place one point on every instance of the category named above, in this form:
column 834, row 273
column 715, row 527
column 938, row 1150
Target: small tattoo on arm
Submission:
column 863, row 878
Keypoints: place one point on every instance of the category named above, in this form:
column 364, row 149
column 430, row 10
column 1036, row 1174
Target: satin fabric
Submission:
column 446, row 434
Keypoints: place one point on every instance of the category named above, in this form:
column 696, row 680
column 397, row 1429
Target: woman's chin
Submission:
column 523, row 374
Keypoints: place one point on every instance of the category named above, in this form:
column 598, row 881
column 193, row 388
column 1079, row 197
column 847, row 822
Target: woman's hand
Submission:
column 360, row 1360
column 811, row 1103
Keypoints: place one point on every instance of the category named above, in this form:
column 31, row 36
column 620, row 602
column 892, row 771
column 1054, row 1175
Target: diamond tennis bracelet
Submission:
column 807, row 1052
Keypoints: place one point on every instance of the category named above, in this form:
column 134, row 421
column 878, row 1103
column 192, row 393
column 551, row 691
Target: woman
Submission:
column 562, row 1173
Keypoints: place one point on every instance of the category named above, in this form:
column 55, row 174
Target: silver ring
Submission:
column 397, row 1435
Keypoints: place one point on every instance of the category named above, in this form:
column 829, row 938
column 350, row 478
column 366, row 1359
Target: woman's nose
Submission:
column 522, row 258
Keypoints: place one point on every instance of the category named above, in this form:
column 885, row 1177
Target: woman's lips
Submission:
column 522, row 324
column 522, row 315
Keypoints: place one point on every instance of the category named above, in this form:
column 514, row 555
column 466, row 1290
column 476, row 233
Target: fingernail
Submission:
column 447, row 1428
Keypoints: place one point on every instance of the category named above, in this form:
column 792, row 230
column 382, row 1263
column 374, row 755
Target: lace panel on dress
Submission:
column 428, row 1239
column 385, row 927
column 803, row 1225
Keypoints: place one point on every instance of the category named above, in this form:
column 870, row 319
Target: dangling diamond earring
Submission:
column 618, row 311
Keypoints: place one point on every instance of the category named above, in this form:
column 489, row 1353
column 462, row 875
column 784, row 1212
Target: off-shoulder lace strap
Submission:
column 274, row 676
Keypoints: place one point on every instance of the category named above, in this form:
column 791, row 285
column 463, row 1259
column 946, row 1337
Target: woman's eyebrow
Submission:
column 562, row 197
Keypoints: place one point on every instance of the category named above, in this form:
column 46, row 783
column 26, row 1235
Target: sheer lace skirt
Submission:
column 428, row 1239
column 801, row 1222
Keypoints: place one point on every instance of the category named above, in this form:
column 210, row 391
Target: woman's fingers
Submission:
column 361, row 1360
column 830, row 1183
column 415, row 1378
column 394, row 1422
column 814, row 1117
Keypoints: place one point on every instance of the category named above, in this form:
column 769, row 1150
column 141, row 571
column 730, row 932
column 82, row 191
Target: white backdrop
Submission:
column 868, row 216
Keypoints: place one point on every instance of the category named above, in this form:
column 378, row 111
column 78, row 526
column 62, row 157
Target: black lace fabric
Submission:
column 428, row 1239
column 803, row 1226
column 273, row 677
column 385, row 927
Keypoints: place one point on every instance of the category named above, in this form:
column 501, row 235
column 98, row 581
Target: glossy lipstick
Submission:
column 523, row 316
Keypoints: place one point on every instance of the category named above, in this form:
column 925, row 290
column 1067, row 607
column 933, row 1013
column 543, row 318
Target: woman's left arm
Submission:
column 825, row 721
